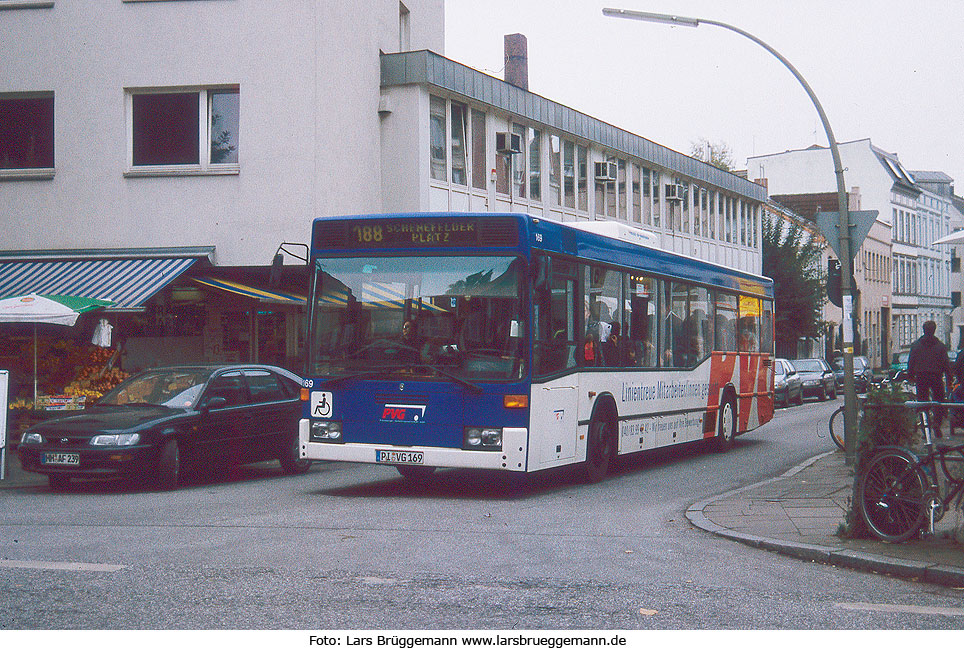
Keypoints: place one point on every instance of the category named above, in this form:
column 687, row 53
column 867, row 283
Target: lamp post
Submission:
column 846, row 257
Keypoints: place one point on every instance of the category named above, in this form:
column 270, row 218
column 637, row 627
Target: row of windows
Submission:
column 915, row 228
column 914, row 276
column 908, row 328
column 549, row 169
column 593, row 316
column 876, row 266
column 195, row 129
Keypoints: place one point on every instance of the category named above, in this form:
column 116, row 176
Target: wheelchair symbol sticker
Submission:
column 321, row 404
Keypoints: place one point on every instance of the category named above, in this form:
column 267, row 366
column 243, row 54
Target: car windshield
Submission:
column 171, row 388
column 458, row 318
column 808, row 366
column 779, row 368
column 859, row 365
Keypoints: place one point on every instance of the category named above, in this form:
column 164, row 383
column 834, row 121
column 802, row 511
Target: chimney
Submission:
column 517, row 61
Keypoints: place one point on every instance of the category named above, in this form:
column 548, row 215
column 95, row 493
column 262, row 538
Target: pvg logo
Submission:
column 405, row 413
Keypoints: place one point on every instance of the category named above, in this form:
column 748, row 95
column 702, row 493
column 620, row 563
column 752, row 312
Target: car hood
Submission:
column 103, row 419
column 810, row 375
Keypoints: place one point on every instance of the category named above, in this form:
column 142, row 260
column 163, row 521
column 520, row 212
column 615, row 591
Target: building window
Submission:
column 27, row 133
column 582, row 169
column 458, row 144
column 569, row 174
column 555, row 163
column 180, row 132
column 478, row 150
column 519, row 179
column 404, row 28
column 623, row 206
column 535, row 164
column 437, row 137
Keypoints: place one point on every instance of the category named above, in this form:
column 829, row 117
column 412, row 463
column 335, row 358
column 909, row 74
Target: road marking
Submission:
column 58, row 566
column 909, row 609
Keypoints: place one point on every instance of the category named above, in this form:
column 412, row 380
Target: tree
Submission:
column 716, row 154
column 792, row 258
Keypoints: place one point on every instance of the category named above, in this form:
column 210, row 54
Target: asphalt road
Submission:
column 356, row 547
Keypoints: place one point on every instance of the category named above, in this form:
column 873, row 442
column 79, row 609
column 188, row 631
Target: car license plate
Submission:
column 399, row 457
column 61, row 459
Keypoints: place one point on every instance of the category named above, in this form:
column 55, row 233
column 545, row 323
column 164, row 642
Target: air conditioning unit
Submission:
column 674, row 192
column 506, row 143
column 605, row 171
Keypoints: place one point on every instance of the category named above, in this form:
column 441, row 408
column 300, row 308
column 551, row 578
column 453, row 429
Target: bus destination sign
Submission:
column 412, row 233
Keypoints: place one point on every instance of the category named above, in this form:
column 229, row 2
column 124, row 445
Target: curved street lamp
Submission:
column 846, row 262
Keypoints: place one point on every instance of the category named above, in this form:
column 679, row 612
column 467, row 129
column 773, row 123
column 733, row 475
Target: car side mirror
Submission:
column 213, row 403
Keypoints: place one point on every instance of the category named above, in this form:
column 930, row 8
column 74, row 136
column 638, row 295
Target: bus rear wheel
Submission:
column 600, row 450
column 726, row 425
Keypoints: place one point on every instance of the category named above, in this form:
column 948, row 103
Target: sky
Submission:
column 888, row 70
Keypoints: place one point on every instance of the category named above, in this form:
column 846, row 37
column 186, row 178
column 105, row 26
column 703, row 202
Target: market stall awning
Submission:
column 260, row 294
column 128, row 282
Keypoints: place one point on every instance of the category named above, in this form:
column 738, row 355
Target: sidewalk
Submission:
column 798, row 514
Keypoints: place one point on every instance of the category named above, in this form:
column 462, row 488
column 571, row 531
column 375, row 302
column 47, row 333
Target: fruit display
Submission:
column 64, row 367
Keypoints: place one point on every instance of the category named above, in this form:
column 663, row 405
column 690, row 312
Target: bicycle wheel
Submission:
column 892, row 496
column 837, row 428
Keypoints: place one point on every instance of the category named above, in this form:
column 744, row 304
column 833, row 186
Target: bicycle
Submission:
column 837, row 428
column 837, row 417
column 900, row 489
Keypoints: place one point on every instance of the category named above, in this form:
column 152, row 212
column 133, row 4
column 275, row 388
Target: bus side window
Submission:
column 726, row 314
column 640, row 332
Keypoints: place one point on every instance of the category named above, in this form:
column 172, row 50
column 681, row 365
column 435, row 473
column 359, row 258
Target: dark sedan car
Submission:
column 156, row 423
column 818, row 379
column 863, row 373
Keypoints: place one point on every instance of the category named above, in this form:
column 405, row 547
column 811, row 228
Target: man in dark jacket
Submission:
column 928, row 366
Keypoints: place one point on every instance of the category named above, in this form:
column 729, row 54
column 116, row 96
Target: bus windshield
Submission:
column 455, row 317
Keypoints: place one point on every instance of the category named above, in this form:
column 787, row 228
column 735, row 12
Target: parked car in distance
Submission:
column 787, row 384
column 863, row 373
column 156, row 423
column 898, row 363
column 818, row 378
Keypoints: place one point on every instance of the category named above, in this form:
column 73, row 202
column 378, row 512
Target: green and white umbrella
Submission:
column 46, row 309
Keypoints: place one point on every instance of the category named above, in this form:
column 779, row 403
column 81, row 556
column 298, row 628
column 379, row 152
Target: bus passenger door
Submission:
column 554, row 413
column 554, row 422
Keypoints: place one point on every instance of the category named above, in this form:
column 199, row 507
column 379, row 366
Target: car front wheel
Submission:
column 169, row 466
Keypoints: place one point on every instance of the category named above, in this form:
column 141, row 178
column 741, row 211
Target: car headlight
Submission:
column 780, row 384
column 31, row 438
column 115, row 440
column 488, row 439
column 322, row 431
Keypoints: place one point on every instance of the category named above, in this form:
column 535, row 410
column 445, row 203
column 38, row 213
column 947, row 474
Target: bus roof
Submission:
column 618, row 245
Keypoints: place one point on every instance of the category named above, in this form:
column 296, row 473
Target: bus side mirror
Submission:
column 541, row 273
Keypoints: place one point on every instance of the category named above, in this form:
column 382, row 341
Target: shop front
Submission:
column 169, row 307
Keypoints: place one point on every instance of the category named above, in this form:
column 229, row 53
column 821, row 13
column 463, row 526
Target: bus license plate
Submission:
column 61, row 459
column 399, row 457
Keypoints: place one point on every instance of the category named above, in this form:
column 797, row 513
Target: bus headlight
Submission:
column 325, row 432
column 482, row 438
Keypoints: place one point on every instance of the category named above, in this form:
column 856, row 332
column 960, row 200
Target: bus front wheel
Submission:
column 600, row 449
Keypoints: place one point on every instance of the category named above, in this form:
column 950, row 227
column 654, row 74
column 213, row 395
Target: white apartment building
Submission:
column 165, row 178
column 897, row 254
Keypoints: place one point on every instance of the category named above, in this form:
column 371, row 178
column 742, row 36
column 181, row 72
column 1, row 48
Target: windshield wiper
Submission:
column 451, row 375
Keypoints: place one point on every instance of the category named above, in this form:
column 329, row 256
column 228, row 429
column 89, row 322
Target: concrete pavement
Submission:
column 799, row 513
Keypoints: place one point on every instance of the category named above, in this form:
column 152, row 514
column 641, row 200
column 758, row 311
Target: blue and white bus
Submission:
column 510, row 342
